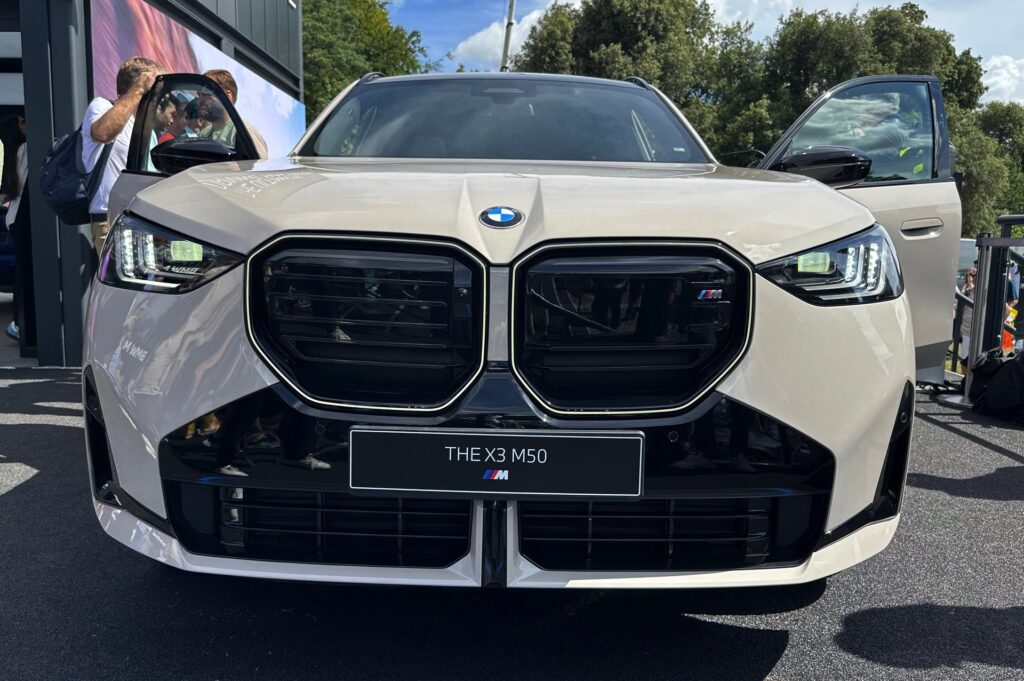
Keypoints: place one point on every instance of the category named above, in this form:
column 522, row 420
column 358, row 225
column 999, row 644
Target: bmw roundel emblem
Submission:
column 501, row 217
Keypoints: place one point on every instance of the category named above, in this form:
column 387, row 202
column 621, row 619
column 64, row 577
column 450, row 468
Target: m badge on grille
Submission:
column 710, row 294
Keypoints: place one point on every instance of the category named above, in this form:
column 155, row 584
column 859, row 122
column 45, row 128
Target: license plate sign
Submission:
column 494, row 463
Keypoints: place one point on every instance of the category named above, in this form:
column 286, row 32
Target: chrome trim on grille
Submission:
column 531, row 255
column 484, row 283
column 497, row 340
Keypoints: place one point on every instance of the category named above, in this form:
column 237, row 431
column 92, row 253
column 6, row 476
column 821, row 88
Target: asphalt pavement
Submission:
column 945, row 601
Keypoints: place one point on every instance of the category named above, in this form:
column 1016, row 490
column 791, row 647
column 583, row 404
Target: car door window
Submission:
column 891, row 123
column 185, row 106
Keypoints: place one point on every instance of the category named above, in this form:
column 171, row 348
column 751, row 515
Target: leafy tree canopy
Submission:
column 741, row 93
column 345, row 39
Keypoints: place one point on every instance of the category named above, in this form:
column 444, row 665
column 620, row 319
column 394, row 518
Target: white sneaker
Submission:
column 314, row 464
column 231, row 470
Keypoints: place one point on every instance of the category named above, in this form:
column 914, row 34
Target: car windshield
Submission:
column 505, row 119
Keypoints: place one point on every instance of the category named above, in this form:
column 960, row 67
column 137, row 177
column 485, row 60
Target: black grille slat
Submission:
column 369, row 323
column 326, row 533
column 359, row 322
column 669, row 516
column 363, row 300
column 633, row 327
column 359, row 280
column 326, row 509
column 668, row 540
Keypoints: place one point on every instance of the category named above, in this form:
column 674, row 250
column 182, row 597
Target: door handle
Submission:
column 922, row 227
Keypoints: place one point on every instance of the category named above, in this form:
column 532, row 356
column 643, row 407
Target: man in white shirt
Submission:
column 109, row 122
column 223, row 129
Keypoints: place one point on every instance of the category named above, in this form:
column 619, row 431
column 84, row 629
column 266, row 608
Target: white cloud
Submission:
column 1004, row 77
column 761, row 12
column 483, row 48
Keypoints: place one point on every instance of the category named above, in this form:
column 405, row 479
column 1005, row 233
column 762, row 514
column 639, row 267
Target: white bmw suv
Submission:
column 519, row 330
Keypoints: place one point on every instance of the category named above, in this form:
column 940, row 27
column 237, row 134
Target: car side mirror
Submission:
column 182, row 153
column 838, row 167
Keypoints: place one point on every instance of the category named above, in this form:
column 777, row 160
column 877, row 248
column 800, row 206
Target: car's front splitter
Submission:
column 156, row 544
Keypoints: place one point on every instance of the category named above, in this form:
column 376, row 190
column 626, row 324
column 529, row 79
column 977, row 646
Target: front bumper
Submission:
column 837, row 376
column 158, row 545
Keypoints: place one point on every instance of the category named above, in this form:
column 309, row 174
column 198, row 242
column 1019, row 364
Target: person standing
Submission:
column 15, row 173
column 223, row 130
column 967, row 320
column 107, row 122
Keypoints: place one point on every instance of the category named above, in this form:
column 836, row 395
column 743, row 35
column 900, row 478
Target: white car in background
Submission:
column 520, row 330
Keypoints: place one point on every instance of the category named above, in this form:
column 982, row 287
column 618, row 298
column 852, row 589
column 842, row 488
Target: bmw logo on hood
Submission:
column 501, row 217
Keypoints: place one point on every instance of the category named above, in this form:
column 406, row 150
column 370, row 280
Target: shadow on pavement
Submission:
column 309, row 631
column 933, row 637
column 1002, row 484
column 966, row 424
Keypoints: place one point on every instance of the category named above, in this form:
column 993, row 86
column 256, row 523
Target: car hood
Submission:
column 762, row 215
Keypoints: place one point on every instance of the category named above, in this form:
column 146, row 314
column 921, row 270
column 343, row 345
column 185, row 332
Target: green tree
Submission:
column 330, row 52
column 344, row 39
column 900, row 42
column 808, row 54
column 741, row 93
column 548, row 46
column 664, row 41
column 1004, row 123
column 986, row 174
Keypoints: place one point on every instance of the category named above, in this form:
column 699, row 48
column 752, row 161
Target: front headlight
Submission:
column 143, row 257
column 859, row 269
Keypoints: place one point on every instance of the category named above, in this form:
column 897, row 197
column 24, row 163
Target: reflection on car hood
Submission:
column 760, row 214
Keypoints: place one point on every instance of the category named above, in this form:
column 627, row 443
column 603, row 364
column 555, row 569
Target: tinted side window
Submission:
column 890, row 122
column 183, row 109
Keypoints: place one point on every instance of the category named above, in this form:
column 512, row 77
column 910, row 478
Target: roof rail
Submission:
column 637, row 80
column 371, row 76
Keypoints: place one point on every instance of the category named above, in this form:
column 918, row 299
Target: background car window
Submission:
column 183, row 110
column 505, row 119
column 890, row 122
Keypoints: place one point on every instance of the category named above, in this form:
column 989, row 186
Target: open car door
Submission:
column 899, row 123
column 185, row 120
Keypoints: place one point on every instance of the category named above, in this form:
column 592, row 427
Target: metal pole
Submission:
column 508, row 35
column 980, row 310
column 977, row 326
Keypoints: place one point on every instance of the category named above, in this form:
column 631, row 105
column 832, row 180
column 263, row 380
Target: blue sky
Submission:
column 472, row 30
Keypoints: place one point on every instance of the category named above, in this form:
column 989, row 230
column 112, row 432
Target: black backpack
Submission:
column 67, row 187
column 1002, row 392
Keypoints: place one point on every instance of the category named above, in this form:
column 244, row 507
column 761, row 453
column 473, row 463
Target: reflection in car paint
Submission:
column 250, row 185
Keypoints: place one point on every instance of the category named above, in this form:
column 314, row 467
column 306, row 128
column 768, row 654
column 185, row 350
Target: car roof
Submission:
column 515, row 76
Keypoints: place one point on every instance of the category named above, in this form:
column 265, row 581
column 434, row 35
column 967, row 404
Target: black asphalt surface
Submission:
column 945, row 601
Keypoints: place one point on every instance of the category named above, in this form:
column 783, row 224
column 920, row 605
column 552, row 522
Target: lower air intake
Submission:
column 670, row 534
column 320, row 527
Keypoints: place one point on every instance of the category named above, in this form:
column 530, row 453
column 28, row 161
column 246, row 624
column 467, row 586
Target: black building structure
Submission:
column 263, row 35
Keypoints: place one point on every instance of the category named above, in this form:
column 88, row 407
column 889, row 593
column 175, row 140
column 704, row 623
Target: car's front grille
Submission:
column 365, row 323
column 320, row 527
column 630, row 328
column 670, row 534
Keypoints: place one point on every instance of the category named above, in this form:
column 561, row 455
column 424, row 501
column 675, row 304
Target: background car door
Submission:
column 179, row 106
column 899, row 122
